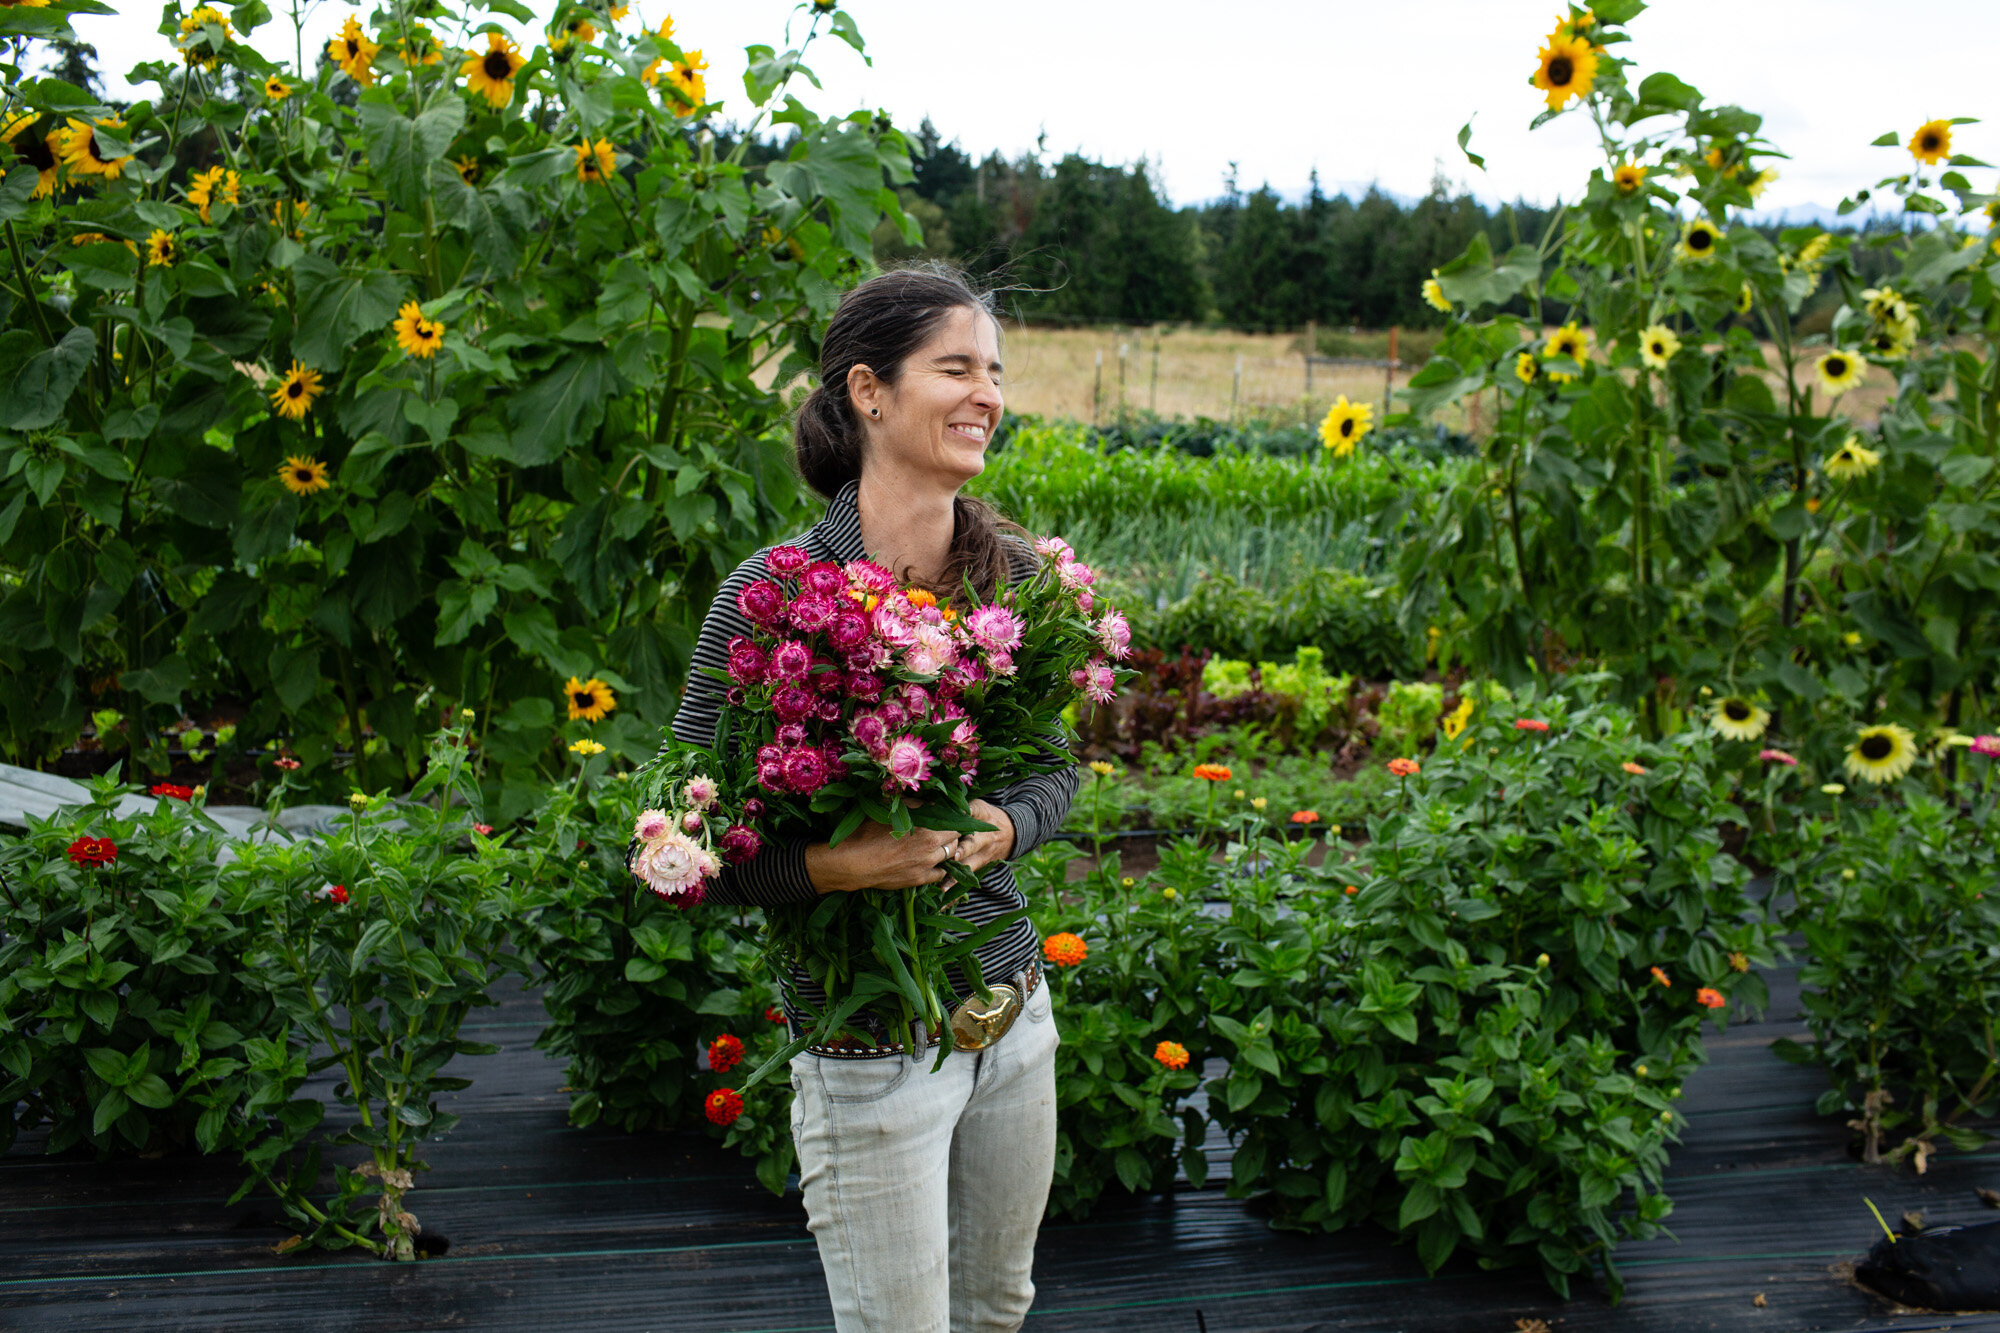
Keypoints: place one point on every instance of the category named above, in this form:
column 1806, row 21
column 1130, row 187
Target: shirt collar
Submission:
column 839, row 533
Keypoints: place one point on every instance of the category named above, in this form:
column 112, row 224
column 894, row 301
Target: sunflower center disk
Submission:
column 1876, row 748
column 498, row 66
column 1561, row 71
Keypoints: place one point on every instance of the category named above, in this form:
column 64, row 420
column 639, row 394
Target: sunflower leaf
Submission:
column 1465, row 146
column 41, row 387
column 335, row 309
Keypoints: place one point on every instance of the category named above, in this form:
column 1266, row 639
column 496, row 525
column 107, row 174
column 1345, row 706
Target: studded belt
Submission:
column 975, row 1025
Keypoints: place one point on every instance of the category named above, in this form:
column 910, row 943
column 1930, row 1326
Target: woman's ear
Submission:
column 866, row 391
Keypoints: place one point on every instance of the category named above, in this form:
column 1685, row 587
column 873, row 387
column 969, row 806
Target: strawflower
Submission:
column 1988, row 746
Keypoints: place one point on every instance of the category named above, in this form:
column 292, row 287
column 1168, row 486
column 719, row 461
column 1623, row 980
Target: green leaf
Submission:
column 16, row 190
column 336, row 308
column 162, row 682
column 1422, row 1200
column 40, row 388
column 561, row 406
column 401, row 148
column 1465, row 146
column 151, row 1090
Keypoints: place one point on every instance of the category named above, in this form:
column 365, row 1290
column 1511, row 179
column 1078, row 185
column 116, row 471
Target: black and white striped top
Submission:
column 777, row 875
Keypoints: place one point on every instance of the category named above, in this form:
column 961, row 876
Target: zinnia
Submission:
column 1708, row 997
column 1404, row 768
column 723, row 1106
column 1171, row 1054
column 1212, row 772
column 173, row 790
column 90, row 853
column 1986, row 745
column 1530, row 724
column 1065, row 949
column 1661, row 977
column 725, row 1053
column 1305, row 816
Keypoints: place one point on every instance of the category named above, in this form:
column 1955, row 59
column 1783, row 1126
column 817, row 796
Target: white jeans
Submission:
column 925, row 1191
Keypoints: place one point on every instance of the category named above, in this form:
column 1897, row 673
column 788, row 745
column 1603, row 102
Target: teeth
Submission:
column 977, row 432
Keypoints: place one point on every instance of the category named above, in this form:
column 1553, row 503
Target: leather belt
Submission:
column 975, row 1025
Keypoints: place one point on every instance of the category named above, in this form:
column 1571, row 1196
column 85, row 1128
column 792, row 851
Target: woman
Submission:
column 924, row 1190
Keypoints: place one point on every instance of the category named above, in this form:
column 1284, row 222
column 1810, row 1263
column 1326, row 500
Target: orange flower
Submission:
column 1404, row 768
column 725, row 1053
column 1661, row 977
column 1530, row 724
column 1636, row 770
column 1709, row 998
column 1171, row 1054
column 1738, row 963
column 1064, row 949
column 1351, row 890
column 1305, row 816
column 1212, row 772
column 918, row 597
column 723, row 1106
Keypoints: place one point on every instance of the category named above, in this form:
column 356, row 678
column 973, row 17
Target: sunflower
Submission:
column 354, row 52
column 578, row 27
column 685, row 78
column 277, row 89
column 1570, row 343
column 1525, row 367
column 1881, row 754
column 1885, row 304
column 1745, row 299
column 469, row 170
column 1761, row 182
column 1893, row 342
column 194, row 44
column 1345, row 424
column 161, row 252
column 1852, row 459
column 1840, row 371
column 1568, row 65
column 297, row 208
column 43, row 152
column 1628, row 177
column 1931, row 144
column 295, row 392
column 589, row 700
column 1434, row 296
column 302, row 474
column 594, row 162
column 491, row 72
column 80, row 150
column 1813, row 251
column 1738, row 719
column 418, row 46
column 213, row 186
column 416, row 335
column 1719, row 161
column 1657, row 346
column 1698, row 240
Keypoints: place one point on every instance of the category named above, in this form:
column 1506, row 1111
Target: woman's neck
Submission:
column 907, row 523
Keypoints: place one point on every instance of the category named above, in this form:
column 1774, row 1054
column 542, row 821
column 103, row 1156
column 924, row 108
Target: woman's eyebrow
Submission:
column 962, row 359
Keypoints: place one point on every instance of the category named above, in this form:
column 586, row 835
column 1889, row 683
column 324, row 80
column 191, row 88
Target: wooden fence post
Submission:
column 1153, row 392
column 1389, row 373
column 1235, row 388
column 1097, row 388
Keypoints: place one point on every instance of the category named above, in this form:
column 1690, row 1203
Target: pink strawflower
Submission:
column 994, row 628
column 805, row 770
column 824, row 578
column 893, row 626
column 1076, row 574
column 1986, row 745
column 1085, row 602
column 793, row 703
column 870, row 655
column 790, row 660
column 1097, row 681
column 1000, row 664
column 870, row 576
column 786, row 561
column 674, row 866
column 740, row 844
column 701, row 791
column 1054, row 548
column 651, row 824
column 893, row 715
column 931, row 653
column 870, row 733
column 847, row 630
column 1115, row 633
column 691, row 822
column 1777, row 757
column 813, row 611
column 966, row 735
column 909, row 762
column 763, row 603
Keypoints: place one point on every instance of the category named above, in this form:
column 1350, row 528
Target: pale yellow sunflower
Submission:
column 1657, row 346
column 1738, row 719
column 1851, row 460
column 1839, row 371
column 1881, row 753
column 1571, row 343
column 1698, row 240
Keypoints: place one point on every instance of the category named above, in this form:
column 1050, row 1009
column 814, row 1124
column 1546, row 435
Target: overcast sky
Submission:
column 1362, row 92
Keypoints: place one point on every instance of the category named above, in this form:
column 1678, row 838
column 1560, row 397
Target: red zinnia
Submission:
column 725, row 1053
column 90, row 853
column 337, row 895
column 1530, row 724
column 174, row 790
column 723, row 1106
column 774, row 1014
column 1709, row 998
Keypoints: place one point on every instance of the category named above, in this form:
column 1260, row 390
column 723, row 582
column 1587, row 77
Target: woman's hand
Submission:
column 873, row 857
column 978, row 850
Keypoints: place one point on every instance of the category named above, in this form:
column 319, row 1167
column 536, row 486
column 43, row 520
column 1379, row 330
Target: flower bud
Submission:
column 1541, row 960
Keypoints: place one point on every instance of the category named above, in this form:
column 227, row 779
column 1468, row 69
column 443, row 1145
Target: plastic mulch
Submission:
column 558, row 1228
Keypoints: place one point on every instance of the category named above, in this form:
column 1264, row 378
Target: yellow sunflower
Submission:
column 1345, row 424
column 293, row 397
column 43, row 152
column 665, row 33
column 491, row 72
column 1851, row 460
column 1698, row 240
column 580, row 28
column 1434, row 296
column 1657, row 346
column 193, row 43
column 589, row 700
column 277, row 89
column 1719, row 161
column 1571, row 343
column 418, row 46
column 469, row 170
column 1840, row 371
column 594, row 162
column 1881, row 754
column 214, row 186
column 302, row 474
column 1761, row 182
column 1893, row 342
column 685, row 78
column 1738, row 719
column 416, row 335
column 1568, row 65
column 1931, row 144
column 1628, row 177
column 354, row 52
column 161, row 252
column 1745, row 299
column 295, row 210
column 80, row 149
column 1525, row 367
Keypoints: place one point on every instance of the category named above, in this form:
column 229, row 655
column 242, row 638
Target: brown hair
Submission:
column 878, row 325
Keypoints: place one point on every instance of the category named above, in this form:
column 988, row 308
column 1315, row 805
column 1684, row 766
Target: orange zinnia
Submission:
column 1171, row 1054
column 1709, row 998
column 1404, row 768
column 1530, row 724
column 1212, row 772
column 1636, row 770
column 1064, row 949
column 1661, row 977
column 1305, row 816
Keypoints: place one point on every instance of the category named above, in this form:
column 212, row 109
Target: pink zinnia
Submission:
column 739, row 844
column 790, row 660
column 1530, row 724
column 785, row 561
column 1986, row 745
column 763, row 603
column 824, row 578
column 1115, row 633
column 1777, row 757
column 483, row 830
column 651, row 824
column 673, row 866
column 909, row 762
column 813, row 611
column 994, row 628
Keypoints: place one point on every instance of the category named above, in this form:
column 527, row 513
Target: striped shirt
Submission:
column 777, row 875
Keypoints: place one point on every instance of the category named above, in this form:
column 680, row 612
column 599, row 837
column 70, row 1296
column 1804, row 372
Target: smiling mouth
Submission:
column 969, row 430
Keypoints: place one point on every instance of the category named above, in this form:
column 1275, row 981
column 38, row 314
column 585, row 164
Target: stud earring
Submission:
column 874, row 411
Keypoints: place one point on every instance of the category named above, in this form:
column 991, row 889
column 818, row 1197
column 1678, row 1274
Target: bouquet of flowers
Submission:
column 857, row 698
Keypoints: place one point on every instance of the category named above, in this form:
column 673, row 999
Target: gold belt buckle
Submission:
column 975, row 1025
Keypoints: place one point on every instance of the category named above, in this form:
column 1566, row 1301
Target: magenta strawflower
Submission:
column 1075, row 574
column 739, row 844
column 1986, row 745
column 823, row 578
column 994, row 628
column 1054, row 548
column 909, row 762
column 786, row 561
column 790, row 660
column 762, row 603
column 1097, row 681
column 848, row 630
column 805, row 770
